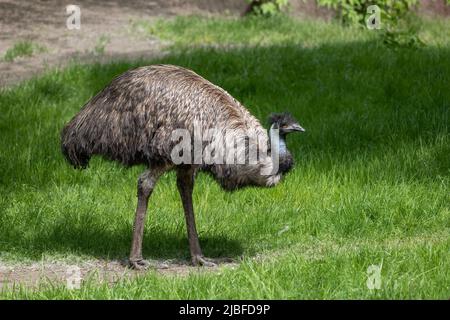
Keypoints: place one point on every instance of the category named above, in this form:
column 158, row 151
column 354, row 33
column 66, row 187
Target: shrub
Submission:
column 400, row 25
column 266, row 8
column 354, row 11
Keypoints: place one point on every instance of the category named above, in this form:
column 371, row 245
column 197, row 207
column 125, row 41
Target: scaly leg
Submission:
column 146, row 183
column 185, row 183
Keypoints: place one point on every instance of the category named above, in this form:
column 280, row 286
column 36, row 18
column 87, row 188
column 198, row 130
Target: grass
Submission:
column 197, row 31
column 22, row 48
column 370, row 186
column 101, row 44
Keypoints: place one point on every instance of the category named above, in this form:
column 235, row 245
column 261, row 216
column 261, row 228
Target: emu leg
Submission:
column 185, row 184
column 146, row 183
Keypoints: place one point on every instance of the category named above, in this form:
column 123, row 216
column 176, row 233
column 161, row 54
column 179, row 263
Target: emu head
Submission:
column 280, row 125
column 271, row 165
column 285, row 123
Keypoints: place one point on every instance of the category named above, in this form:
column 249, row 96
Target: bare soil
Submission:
column 109, row 272
column 44, row 23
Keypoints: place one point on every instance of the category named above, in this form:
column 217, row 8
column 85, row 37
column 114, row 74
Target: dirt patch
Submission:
column 106, row 26
column 100, row 271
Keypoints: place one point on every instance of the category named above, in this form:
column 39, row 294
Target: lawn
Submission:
column 370, row 185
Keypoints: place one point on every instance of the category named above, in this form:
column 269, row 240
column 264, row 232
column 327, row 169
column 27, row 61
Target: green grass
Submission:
column 370, row 186
column 101, row 44
column 23, row 48
column 200, row 32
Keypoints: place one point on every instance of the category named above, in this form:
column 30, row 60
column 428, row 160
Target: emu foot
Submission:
column 141, row 264
column 138, row 264
column 199, row 260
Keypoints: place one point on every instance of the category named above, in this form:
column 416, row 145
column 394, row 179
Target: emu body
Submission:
column 132, row 119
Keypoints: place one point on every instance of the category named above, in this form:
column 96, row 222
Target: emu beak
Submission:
column 297, row 127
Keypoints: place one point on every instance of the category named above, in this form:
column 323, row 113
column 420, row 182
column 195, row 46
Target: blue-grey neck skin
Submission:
column 277, row 140
column 282, row 146
column 278, row 144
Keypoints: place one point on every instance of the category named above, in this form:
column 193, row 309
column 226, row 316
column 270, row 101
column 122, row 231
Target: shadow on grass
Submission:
column 101, row 243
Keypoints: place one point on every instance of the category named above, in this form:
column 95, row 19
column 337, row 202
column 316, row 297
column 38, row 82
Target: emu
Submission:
column 132, row 120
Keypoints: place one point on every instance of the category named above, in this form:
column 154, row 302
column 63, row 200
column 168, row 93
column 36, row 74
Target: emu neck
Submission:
column 278, row 144
column 282, row 148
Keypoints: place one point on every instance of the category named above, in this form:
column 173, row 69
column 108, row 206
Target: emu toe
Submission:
column 139, row 264
column 202, row 261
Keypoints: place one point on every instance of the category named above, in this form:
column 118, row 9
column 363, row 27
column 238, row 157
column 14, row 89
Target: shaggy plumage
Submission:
column 132, row 119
